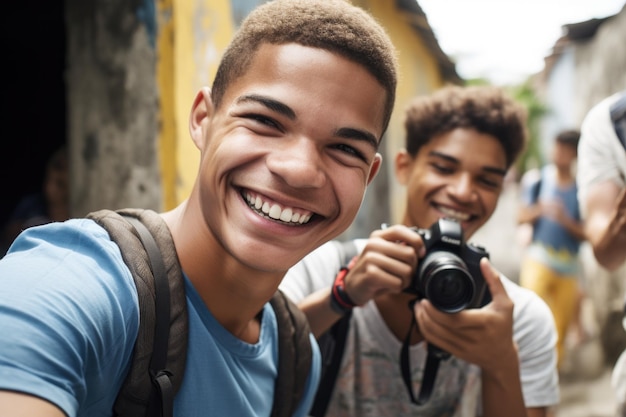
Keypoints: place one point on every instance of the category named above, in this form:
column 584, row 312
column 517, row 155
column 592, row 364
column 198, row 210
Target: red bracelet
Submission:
column 340, row 301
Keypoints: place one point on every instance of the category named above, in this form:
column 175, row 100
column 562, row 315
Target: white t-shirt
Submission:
column 601, row 156
column 370, row 383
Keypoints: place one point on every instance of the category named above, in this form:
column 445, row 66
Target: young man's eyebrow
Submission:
column 270, row 103
column 352, row 133
column 493, row 170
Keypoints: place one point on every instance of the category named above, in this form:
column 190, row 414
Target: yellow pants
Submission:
column 560, row 292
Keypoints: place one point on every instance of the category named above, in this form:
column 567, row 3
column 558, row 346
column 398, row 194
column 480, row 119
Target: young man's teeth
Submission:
column 275, row 211
column 285, row 215
column 454, row 214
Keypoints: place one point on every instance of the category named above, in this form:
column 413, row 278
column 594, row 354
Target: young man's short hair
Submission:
column 483, row 108
column 332, row 25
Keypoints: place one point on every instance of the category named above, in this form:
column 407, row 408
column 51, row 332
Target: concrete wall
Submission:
column 601, row 64
column 112, row 105
column 581, row 73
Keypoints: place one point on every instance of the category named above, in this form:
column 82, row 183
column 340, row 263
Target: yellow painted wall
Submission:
column 192, row 37
column 191, row 43
column 167, row 120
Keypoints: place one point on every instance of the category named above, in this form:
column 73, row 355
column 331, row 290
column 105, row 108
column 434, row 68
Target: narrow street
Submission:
column 587, row 397
column 584, row 381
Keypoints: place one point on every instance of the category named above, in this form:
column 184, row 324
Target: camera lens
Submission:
column 446, row 282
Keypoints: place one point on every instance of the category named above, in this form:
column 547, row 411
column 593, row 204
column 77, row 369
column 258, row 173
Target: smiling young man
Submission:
column 459, row 144
column 288, row 140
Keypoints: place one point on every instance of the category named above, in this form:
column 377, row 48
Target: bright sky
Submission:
column 506, row 40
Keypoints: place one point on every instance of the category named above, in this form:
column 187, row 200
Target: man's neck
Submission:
column 564, row 175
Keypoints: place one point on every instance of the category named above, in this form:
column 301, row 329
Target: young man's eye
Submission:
column 351, row 150
column 259, row 120
column 443, row 168
column 490, row 182
column 264, row 120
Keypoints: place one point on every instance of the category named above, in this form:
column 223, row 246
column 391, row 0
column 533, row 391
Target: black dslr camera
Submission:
column 449, row 275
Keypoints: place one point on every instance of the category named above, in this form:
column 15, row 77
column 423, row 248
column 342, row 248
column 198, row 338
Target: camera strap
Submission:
column 433, row 358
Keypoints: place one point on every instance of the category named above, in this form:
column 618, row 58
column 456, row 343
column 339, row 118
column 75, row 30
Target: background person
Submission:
column 551, row 267
column 602, row 195
column 504, row 358
column 50, row 204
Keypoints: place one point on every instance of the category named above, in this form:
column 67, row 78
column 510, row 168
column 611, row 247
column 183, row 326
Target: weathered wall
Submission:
column 112, row 104
column 601, row 64
column 580, row 73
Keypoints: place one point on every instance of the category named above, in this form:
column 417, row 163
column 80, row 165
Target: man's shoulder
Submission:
column 529, row 308
column 516, row 292
column 70, row 250
column 73, row 235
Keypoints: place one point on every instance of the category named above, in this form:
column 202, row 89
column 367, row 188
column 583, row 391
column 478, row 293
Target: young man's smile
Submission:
column 270, row 209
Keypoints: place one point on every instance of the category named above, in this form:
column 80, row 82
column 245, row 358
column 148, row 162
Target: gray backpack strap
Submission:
column 295, row 355
column 146, row 390
column 618, row 118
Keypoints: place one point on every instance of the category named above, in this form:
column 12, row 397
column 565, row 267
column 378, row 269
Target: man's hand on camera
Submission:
column 386, row 264
column 481, row 336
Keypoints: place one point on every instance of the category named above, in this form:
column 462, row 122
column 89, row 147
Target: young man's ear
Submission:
column 378, row 160
column 201, row 111
column 403, row 166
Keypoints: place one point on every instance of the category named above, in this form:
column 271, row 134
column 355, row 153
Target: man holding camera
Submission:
column 499, row 355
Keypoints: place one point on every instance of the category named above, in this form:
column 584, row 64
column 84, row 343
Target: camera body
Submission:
column 449, row 275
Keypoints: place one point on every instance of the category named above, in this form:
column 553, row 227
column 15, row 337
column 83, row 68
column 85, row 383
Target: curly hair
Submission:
column 483, row 108
column 332, row 25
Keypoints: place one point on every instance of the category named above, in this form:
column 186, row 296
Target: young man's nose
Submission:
column 299, row 164
column 462, row 188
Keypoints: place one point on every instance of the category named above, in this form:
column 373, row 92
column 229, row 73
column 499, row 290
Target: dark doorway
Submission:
column 33, row 96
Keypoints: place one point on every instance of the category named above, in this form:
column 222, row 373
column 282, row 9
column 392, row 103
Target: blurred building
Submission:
column 587, row 64
column 115, row 81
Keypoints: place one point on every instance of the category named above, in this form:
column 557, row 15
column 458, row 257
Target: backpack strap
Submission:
column 535, row 189
column 295, row 355
column 618, row 118
column 332, row 344
column 160, row 352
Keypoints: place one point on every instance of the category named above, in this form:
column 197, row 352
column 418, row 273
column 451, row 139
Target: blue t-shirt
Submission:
column 69, row 318
column 552, row 243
